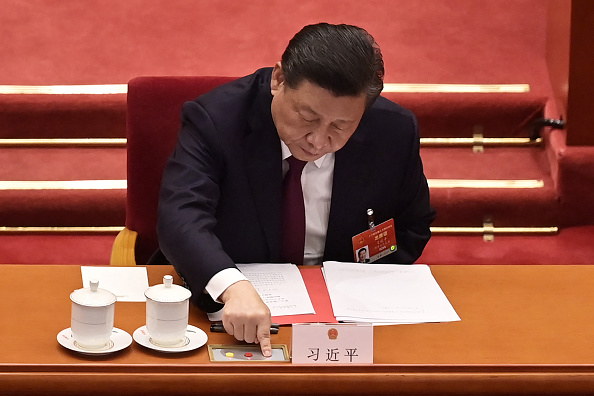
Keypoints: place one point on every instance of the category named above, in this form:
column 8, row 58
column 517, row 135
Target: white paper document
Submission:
column 281, row 287
column 386, row 293
column 127, row 283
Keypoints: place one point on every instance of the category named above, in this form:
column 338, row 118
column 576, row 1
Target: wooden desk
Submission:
column 524, row 329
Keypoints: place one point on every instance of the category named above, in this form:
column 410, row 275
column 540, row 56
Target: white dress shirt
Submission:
column 316, row 182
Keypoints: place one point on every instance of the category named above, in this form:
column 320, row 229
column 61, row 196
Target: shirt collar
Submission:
column 286, row 152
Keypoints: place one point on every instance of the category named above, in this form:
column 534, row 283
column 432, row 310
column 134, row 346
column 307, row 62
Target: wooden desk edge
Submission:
column 297, row 379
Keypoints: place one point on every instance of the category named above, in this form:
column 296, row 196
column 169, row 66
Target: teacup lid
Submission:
column 167, row 291
column 92, row 296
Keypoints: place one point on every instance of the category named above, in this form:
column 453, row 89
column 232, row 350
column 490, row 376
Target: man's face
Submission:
column 311, row 120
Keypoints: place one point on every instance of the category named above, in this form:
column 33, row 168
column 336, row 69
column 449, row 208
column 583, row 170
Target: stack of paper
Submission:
column 127, row 283
column 280, row 286
column 386, row 293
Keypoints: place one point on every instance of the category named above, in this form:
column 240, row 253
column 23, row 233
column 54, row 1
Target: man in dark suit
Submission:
column 221, row 197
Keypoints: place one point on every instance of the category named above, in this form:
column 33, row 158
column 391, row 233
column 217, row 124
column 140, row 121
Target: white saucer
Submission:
column 194, row 339
column 119, row 340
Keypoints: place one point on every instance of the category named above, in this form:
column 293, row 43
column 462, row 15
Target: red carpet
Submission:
column 73, row 163
column 48, row 42
column 62, row 116
column 57, row 249
column 571, row 246
column 111, row 41
column 62, row 207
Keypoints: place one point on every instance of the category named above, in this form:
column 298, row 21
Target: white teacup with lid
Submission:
column 92, row 316
column 167, row 309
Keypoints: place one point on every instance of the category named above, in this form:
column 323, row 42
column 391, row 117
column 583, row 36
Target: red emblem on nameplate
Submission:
column 332, row 334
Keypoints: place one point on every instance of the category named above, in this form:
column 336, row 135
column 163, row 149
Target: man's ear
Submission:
column 278, row 78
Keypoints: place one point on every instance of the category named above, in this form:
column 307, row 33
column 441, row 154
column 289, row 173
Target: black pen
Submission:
column 217, row 327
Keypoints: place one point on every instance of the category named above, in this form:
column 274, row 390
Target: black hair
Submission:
column 343, row 59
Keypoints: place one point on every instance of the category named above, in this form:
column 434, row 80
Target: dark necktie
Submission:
column 293, row 237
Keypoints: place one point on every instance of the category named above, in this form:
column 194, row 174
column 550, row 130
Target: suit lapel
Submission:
column 352, row 169
column 263, row 165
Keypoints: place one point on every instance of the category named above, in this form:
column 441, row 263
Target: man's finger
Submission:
column 264, row 340
column 239, row 332
column 250, row 333
column 228, row 326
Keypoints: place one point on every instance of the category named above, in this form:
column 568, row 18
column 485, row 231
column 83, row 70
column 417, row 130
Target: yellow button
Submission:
column 229, row 354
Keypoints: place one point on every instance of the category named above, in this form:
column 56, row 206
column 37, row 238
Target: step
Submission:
column 508, row 186
column 463, row 114
column 62, row 187
column 101, row 202
column 56, row 248
column 104, row 115
column 60, row 208
column 503, row 207
column 62, row 163
column 497, row 163
column 25, row 116
column 572, row 245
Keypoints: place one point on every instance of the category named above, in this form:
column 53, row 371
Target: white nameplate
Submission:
column 331, row 343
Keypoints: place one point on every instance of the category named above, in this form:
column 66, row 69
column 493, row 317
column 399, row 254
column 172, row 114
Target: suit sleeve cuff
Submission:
column 221, row 281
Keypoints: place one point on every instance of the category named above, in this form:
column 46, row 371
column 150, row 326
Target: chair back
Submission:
column 153, row 120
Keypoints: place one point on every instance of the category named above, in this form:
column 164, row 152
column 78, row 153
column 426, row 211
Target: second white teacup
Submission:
column 167, row 309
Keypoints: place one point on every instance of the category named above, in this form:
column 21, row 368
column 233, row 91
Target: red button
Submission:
column 248, row 354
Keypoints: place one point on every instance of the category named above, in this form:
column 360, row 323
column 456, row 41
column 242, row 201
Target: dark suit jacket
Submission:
column 220, row 199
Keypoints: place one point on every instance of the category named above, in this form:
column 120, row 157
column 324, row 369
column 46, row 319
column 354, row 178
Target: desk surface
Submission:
column 523, row 329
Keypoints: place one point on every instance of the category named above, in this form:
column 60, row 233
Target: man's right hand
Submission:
column 245, row 316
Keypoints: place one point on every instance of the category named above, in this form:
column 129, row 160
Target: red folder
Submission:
column 320, row 299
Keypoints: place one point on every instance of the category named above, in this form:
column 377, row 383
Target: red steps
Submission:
column 572, row 245
column 24, row 116
column 62, row 163
column 455, row 206
column 505, row 207
column 104, row 116
column 61, row 248
column 58, row 207
column 444, row 114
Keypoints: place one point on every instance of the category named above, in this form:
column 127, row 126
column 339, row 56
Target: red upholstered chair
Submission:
column 152, row 123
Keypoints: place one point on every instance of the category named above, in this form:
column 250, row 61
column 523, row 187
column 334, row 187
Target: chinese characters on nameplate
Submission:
column 332, row 343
